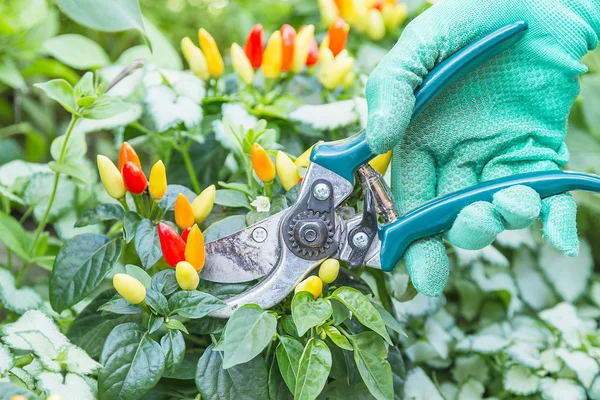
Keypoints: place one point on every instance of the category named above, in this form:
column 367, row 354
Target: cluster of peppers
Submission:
column 286, row 53
column 185, row 252
column 373, row 17
column 286, row 169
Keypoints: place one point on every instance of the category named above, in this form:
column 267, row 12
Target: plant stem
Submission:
column 63, row 151
column 188, row 164
column 6, row 204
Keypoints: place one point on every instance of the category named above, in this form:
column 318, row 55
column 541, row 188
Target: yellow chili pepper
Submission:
column 329, row 11
column 187, row 277
column 194, row 248
column 184, row 216
column 304, row 159
column 329, row 270
column 375, row 25
column 111, row 177
column 349, row 79
column 54, row 397
column 334, row 70
column 203, row 204
column 212, row 53
column 302, row 46
column 381, row 162
column 394, row 15
column 241, row 64
column 158, row 181
column 18, row 397
column 195, row 58
column 262, row 164
column 312, row 284
column 271, row 64
column 286, row 170
column 352, row 10
column 130, row 288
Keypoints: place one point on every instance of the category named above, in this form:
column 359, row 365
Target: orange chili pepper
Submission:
column 127, row 153
column 184, row 216
column 338, row 36
column 194, row 248
column 262, row 164
column 288, row 36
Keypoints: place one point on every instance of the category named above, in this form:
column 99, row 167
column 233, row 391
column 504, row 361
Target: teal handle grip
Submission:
column 438, row 215
column 345, row 156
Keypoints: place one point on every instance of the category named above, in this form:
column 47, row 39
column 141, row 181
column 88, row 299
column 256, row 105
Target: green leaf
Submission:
column 168, row 201
column 154, row 323
column 65, row 386
column 77, row 51
column 130, row 222
column 139, row 274
column 224, row 227
column 362, row 309
column 247, row 381
column 14, row 236
column 75, row 151
column 60, row 91
column 100, row 213
column 80, row 266
column 520, row 380
column 74, row 171
column 560, row 389
column 337, row 338
column 248, row 332
column 177, row 325
column 15, row 299
column 165, row 282
column 106, row 107
column 278, row 389
column 313, row 370
column 288, row 353
column 147, row 243
column 10, row 74
column 232, row 198
column 194, row 304
column 84, row 88
column 118, row 305
column 105, row 16
column 10, row 390
column 308, row 312
column 370, row 355
column 340, row 313
column 157, row 302
column 173, row 347
column 133, row 363
column 389, row 320
column 420, row 387
column 7, row 360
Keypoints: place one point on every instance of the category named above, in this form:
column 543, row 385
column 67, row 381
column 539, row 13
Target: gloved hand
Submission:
column 507, row 117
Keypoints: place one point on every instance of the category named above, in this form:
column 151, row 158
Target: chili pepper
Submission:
column 158, row 181
column 271, row 65
column 286, row 170
column 313, row 53
column 254, row 47
column 302, row 46
column 185, row 233
column 203, row 204
column 329, row 270
column 111, row 177
column 379, row 5
column 195, row 58
column 288, row 36
column 187, row 277
column 338, row 36
column 329, row 11
column 349, row 79
column 312, row 284
column 134, row 178
column 381, row 162
column 262, row 164
column 194, row 248
column 334, row 69
column 127, row 153
column 394, row 15
column 352, row 10
column 304, row 159
column 184, row 216
column 375, row 25
column 129, row 288
column 171, row 244
column 241, row 64
column 51, row 397
column 18, row 397
column 211, row 52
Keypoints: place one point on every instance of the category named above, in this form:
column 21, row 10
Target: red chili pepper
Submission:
column 134, row 178
column 288, row 36
column 313, row 53
column 254, row 47
column 378, row 5
column 185, row 233
column 338, row 36
column 171, row 244
column 127, row 153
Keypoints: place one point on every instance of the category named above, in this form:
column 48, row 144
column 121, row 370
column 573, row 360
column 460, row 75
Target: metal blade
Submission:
column 245, row 255
column 372, row 258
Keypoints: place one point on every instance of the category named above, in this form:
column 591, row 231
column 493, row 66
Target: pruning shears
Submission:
column 284, row 248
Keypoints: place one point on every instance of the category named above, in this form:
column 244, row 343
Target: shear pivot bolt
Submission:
column 360, row 240
column 259, row 235
column 321, row 191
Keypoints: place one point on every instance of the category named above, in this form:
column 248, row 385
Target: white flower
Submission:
column 262, row 204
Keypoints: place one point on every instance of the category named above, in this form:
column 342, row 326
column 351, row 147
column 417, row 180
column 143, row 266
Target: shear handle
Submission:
column 438, row 215
column 345, row 156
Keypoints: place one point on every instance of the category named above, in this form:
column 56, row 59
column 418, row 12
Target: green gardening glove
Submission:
column 507, row 117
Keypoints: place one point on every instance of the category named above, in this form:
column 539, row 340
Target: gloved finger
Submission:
column 559, row 215
column 519, row 206
column 427, row 264
column 476, row 226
